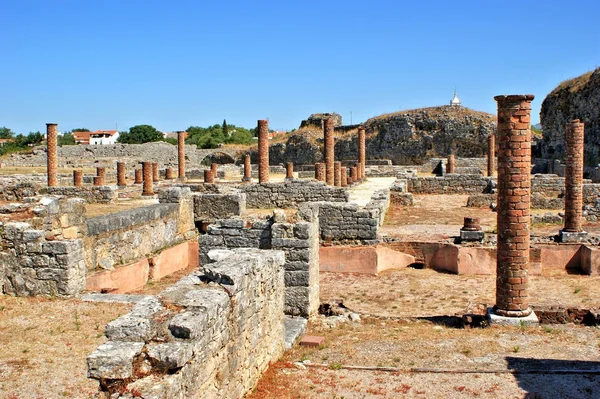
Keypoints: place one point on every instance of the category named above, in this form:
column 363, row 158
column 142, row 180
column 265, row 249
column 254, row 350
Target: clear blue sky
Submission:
column 173, row 64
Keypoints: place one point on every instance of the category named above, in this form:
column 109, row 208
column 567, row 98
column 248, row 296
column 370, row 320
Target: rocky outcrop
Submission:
column 578, row 98
column 316, row 120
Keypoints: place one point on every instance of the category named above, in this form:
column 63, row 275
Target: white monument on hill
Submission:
column 455, row 102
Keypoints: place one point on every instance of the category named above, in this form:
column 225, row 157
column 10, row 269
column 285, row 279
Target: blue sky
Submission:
column 172, row 64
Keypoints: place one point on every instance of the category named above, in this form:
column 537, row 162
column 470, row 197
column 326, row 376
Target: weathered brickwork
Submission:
column 247, row 168
column 181, row 155
column 78, row 178
column 329, row 148
column 491, row 155
column 147, row 170
column 139, row 176
column 337, row 174
column 514, row 190
column 574, row 177
column 290, row 194
column 52, row 164
column 211, row 335
column 362, row 153
column 451, row 164
column 289, row 170
column 263, row 151
column 155, row 176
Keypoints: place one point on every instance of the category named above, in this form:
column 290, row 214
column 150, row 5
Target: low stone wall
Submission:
column 15, row 188
column 299, row 241
column 211, row 335
column 432, row 165
column 449, row 184
column 93, row 194
column 210, row 207
column 116, row 239
column 290, row 194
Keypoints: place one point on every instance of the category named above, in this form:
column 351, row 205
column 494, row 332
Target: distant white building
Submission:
column 104, row 137
column 455, row 102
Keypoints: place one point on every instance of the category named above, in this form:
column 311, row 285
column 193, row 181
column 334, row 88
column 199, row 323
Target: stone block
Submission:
column 130, row 328
column 189, row 324
column 170, row 355
column 113, row 360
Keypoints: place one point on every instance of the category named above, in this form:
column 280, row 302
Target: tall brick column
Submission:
column 337, row 174
column 155, row 177
column 100, row 178
column 121, row 174
column 181, row 154
column 491, row 154
column 354, row 173
column 289, row 170
column 451, row 164
column 362, row 153
column 78, row 177
column 263, row 151
column 148, row 172
column 51, row 133
column 329, row 151
column 344, row 173
column 514, row 189
column 138, row 177
column 208, row 176
column 247, row 168
column 573, row 179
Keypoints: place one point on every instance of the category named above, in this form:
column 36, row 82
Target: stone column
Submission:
column 337, row 174
column 169, row 174
column 138, row 176
column 51, row 133
column 451, row 164
column 263, row 151
column 354, row 173
column 491, row 155
column 148, row 172
column 100, row 178
column 344, row 173
column 362, row 153
column 289, row 170
column 329, row 154
column 181, row 154
column 78, row 177
column 247, row 169
column 208, row 176
column 121, row 174
column 155, row 177
column 573, row 182
column 514, row 189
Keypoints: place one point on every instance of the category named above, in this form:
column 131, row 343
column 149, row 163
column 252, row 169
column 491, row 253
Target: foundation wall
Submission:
column 210, row 207
column 290, row 194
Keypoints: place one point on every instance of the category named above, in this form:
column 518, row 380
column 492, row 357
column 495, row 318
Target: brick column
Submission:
column 121, row 174
column 213, row 169
column 263, row 151
column 100, row 178
column 362, row 152
column 344, row 173
column 78, row 177
column 337, row 174
column 51, row 132
column 155, row 177
column 491, row 154
column 329, row 150
column 147, row 171
column 247, row 169
column 574, row 177
column 451, row 164
column 208, row 176
column 321, row 171
column 181, row 154
column 138, row 176
column 354, row 173
column 289, row 170
column 169, row 174
column 514, row 189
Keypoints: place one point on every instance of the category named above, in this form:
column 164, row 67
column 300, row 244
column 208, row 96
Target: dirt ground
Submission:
column 44, row 343
column 93, row 210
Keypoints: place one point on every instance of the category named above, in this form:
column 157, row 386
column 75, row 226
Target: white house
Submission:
column 104, row 137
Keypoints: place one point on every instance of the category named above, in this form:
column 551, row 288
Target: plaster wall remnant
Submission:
column 491, row 155
column 328, row 133
column 139, row 176
column 451, row 164
column 337, row 174
column 208, row 176
column 121, row 174
column 263, row 151
column 52, row 162
column 514, row 190
column 78, row 177
column 147, row 170
column 362, row 152
column 247, row 169
column 155, row 177
column 574, row 177
column 181, row 154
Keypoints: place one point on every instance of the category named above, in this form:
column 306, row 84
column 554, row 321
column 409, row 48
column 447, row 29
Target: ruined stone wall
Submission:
column 210, row 207
column 199, row 339
column 449, row 184
column 463, row 165
column 92, row 194
column 119, row 238
column 14, row 188
column 290, row 194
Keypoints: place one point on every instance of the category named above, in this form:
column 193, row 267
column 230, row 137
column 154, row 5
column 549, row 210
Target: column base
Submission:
column 572, row 236
column 246, row 179
column 493, row 318
column 466, row 235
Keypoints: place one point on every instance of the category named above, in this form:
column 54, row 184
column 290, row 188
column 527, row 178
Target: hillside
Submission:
column 577, row 98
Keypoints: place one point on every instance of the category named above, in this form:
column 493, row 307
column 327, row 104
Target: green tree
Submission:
column 225, row 130
column 6, row 133
column 80, row 129
column 66, row 139
column 140, row 134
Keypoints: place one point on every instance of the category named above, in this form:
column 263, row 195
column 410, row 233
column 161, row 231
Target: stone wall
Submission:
column 116, row 239
column 290, row 194
column 210, row 207
column 449, row 184
column 14, row 188
column 211, row 335
column 93, row 194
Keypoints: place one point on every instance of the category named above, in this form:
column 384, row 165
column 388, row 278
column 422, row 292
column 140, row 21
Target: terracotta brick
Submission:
column 52, row 156
column 263, row 151
column 328, row 137
column 574, row 176
column 181, row 154
column 78, row 178
column 147, row 170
